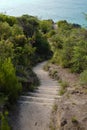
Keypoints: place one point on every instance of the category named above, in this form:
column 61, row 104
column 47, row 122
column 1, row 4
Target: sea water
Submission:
column 71, row 10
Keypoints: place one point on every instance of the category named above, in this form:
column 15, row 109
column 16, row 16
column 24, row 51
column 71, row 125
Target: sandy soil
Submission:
column 71, row 112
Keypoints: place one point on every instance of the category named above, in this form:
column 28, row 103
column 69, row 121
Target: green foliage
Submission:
column 8, row 81
column 29, row 24
column 64, row 84
column 51, row 33
column 79, row 59
column 53, row 73
column 46, row 66
column 62, row 91
column 22, row 45
column 20, row 40
column 24, row 55
column 28, row 55
column 5, row 30
column 46, row 25
column 63, row 88
column 55, row 107
column 83, row 78
column 56, row 59
column 67, row 52
column 57, row 42
column 74, row 120
column 3, row 99
column 4, row 122
column 16, row 30
column 6, row 50
column 42, row 45
column 9, row 19
column 70, row 46
column 64, row 25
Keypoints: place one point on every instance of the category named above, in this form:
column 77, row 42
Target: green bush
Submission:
column 83, row 78
column 74, row 120
column 46, row 25
column 8, row 81
column 46, row 66
column 64, row 84
column 56, row 59
column 62, row 91
column 63, row 88
column 69, row 46
column 79, row 59
column 4, row 122
column 42, row 46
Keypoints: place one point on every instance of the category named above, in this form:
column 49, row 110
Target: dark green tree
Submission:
column 29, row 24
column 8, row 81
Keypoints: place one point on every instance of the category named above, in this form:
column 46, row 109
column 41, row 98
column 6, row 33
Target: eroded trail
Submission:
column 34, row 110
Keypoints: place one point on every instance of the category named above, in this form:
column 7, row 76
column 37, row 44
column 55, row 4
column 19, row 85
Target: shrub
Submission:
column 46, row 25
column 74, row 120
column 8, row 81
column 46, row 67
column 55, row 107
column 64, row 85
column 83, row 78
column 62, row 91
column 4, row 122
column 79, row 59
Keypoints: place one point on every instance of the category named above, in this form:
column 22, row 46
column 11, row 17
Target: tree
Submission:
column 20, row 40
column 46, row 25
column 16, row 30
column 6, row 50
column 41, row 44
column 79, row 59
column 9, row 19
column 57, row 42
column 64, row 25
column 4, row 122
column 29, row 24
column 8, row 81
column 5, row 30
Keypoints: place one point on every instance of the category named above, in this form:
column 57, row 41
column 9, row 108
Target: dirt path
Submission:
column 34, row 110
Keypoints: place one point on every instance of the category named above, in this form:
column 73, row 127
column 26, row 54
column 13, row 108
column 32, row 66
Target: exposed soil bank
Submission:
column 71, row 112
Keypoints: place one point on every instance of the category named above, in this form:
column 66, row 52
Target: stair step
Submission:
column 49, row 88
column 43, row 91
column 37, row 103
column 37, row 99
column 42, row 95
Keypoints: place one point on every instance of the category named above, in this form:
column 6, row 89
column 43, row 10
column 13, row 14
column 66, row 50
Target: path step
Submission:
column 46, row 91
column 50, row 83
column 50, row 104
column 49, row 88
column 42, row 95
column 36, row 99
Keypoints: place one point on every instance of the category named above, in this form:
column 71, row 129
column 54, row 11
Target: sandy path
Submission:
column 34, row 110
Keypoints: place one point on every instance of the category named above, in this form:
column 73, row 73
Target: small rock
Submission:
column 64, row 122
column 35, row 123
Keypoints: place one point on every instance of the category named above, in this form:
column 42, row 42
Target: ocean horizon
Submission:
column 71, row 10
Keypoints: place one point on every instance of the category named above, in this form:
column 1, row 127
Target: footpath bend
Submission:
column 33, row 110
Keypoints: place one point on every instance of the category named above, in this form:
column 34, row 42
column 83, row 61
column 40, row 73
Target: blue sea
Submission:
column 71, row 10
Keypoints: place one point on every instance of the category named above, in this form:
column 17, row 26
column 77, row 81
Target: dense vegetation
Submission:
column 69, row 45
column 24, row 43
